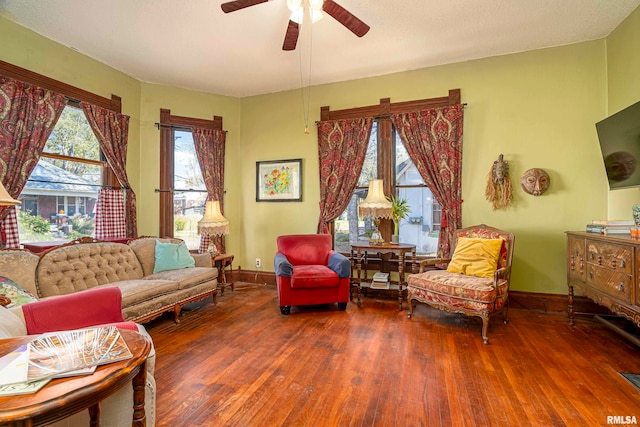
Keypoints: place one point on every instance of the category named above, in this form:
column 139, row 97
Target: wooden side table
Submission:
column 223, row 261
column 63, row 397
column 399, row 249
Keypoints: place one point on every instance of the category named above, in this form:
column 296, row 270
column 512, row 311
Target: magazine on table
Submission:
column 60, row 354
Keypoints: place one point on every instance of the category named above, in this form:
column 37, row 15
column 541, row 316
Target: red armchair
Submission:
column 308, row 272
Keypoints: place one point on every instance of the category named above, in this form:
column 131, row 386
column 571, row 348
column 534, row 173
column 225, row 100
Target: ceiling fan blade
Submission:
column 291, row 36
column 346, row 18
column 232, row 6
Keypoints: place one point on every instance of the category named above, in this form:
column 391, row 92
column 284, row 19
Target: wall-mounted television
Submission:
column 619, row 137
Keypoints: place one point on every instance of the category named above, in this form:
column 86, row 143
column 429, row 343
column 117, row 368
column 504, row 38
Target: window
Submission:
column 182, row 191
column 189, row 192
column 406, row 183
column 387, row 159
column 62, row 190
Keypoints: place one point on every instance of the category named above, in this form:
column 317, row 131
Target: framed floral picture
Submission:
column 279, row 181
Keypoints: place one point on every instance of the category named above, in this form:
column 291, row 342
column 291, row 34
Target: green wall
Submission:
column 623, row 83
column 538, row 108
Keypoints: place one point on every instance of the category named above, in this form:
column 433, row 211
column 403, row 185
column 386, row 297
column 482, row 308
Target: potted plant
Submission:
column 399, row 210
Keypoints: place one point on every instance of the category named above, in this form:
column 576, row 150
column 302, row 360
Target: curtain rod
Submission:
column 464, row 105
column 76, row 183
column 158, row 125
column 178, row 190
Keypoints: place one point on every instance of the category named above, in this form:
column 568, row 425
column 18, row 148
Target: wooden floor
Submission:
column 242, row 363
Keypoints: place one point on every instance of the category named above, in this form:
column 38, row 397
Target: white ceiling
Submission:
column 193, row 44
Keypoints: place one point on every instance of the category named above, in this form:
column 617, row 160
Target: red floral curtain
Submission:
column 433, row 139
column 210, row 145
column 112, row 131
column 342, row 145
column 28, row 114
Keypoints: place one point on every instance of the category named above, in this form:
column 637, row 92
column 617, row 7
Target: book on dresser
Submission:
column 610, row 226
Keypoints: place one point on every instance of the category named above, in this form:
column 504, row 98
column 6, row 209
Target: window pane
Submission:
column 73, row 136
column 418, row 227
column 58, row 200
column 188, row 206
column 53, row 195
column 406, row 172
column 370, row 166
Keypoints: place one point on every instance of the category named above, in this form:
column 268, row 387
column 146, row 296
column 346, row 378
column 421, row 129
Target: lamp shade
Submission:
column 213, row 222
column 376, row 204
column 5, row 198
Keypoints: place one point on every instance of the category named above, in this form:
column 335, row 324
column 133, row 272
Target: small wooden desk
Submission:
column 399, row 249
column 65, row 396
column 222, row 261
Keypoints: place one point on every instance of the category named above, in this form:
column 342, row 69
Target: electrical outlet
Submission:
column 258, row 263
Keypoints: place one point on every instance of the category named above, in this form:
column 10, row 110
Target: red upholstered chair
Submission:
column 468, row 291
column 308, row 272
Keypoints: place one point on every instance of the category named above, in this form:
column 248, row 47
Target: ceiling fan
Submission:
column 339, row 13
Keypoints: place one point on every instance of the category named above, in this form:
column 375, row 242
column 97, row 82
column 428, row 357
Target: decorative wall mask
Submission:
column 535, row 181
column 499, row 191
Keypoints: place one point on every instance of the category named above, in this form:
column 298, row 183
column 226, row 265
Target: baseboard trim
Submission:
column 553, row 303
column 543, row 302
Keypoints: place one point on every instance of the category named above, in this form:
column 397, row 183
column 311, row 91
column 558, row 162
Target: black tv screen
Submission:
column 619, row 137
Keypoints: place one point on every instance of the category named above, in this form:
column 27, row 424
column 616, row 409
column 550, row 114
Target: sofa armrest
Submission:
column 203, row 260
column 73, row 311
column 282, row 266
column 340, row 264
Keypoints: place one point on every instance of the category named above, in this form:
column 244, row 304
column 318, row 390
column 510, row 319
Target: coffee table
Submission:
column 63, row 397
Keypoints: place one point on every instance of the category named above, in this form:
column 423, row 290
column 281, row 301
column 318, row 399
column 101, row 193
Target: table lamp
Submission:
column 376, row 206
column 213, row 223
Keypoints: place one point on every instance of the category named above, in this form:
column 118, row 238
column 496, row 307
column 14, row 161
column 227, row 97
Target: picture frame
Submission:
column 279, row 181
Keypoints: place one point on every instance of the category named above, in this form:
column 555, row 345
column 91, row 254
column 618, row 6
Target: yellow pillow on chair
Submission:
column 475, row 257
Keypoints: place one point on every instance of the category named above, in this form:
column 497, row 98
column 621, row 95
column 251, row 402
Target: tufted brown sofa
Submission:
column 86, row 264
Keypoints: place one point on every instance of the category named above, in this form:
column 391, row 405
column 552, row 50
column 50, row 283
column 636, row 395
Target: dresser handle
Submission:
column 591, row 275
column 592, row 255
column 623, row 262
column 621, row 287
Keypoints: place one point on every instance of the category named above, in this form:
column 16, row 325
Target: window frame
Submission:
column 386, row 136
column 168, row 123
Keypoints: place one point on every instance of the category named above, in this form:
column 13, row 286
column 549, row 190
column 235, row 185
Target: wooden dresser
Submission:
column 605, row 268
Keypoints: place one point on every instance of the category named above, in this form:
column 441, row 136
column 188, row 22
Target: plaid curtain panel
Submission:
column 205, row 240
column 10, row 233
column 110, row 215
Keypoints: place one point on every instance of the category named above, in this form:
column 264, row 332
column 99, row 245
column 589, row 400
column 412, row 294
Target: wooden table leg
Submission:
column 400, row 278
column 94, row 415
column 359, row 267
column 139, row 382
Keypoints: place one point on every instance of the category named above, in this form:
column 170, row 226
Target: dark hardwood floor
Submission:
column 242, row 363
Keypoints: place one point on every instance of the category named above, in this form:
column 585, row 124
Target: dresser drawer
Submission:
column 610, row 255
column 615, row 283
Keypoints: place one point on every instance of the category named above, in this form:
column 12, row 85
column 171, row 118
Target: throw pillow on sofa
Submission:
column 172, row 256
column 16, row 293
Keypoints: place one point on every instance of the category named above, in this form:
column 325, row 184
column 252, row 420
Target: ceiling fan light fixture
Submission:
column 316, row 4
column 316, row 15
column 294, row 5
column 297, row 16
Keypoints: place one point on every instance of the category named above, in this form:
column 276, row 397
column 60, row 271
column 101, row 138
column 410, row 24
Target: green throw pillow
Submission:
column 15, row 292
column 172, row 256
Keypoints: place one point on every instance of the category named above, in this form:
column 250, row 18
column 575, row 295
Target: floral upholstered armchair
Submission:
column 476, row 280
